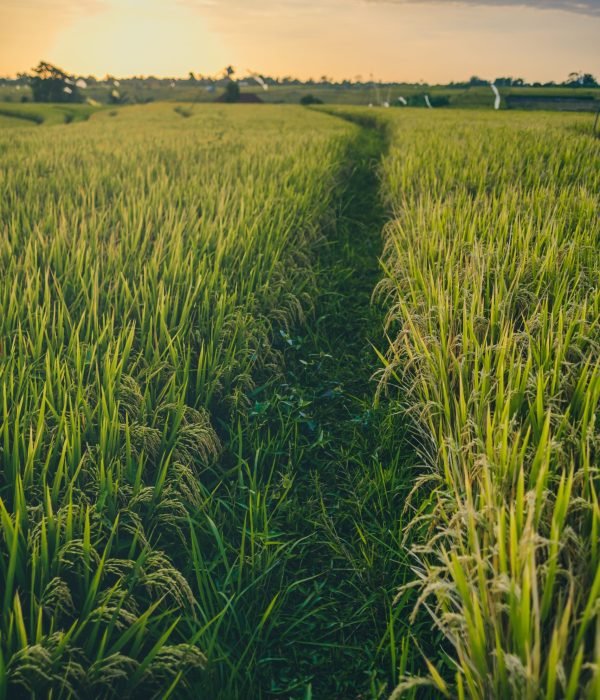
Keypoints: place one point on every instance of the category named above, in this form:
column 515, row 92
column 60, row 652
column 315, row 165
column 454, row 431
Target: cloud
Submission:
column 270, row 8
column 586, row 7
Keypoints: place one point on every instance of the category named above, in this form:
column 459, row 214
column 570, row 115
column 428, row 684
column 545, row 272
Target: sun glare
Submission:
column 141, row 38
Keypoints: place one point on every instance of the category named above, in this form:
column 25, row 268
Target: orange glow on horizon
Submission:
column 436, row 43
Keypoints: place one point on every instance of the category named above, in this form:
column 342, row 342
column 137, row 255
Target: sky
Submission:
column 391, row 40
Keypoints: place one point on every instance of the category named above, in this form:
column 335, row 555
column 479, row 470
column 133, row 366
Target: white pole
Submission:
column 259, row 80
column 497, row 94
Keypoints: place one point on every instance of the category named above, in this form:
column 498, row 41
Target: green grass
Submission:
column 347, row 471
column 293, row 407
column 141, row 285
column 9, row 122
column 47, row 114
column 492, row 269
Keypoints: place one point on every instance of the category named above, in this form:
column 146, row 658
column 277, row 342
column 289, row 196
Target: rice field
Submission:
column 299, row 404
column 492, row 269
column 27, row 114
column 144, row 259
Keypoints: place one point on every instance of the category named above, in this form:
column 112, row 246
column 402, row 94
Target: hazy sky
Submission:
column 433, row 40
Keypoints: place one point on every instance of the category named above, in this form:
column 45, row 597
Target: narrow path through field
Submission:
column 351, row 466
column 307, row 553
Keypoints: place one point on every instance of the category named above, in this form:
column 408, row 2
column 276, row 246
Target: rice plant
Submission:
column 492, row 264
column 145, row 261
column 201, row 492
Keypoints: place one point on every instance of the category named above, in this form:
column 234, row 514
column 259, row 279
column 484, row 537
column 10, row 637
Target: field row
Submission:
column 146, row 261
column 492, row 269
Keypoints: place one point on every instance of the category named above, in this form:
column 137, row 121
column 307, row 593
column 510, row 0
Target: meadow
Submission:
column 299, row 403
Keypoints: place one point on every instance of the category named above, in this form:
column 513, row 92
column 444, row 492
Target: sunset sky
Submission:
column 436, row 41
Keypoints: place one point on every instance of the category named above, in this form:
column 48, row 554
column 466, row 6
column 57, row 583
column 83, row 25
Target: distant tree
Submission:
column 588, row 80
column 417, row 99
column 52, row 84
column 476, row 81
column 310, row 100
column 232, row 92
column 579, row 79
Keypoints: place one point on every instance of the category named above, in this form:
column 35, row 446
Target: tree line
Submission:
column 50, row 83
